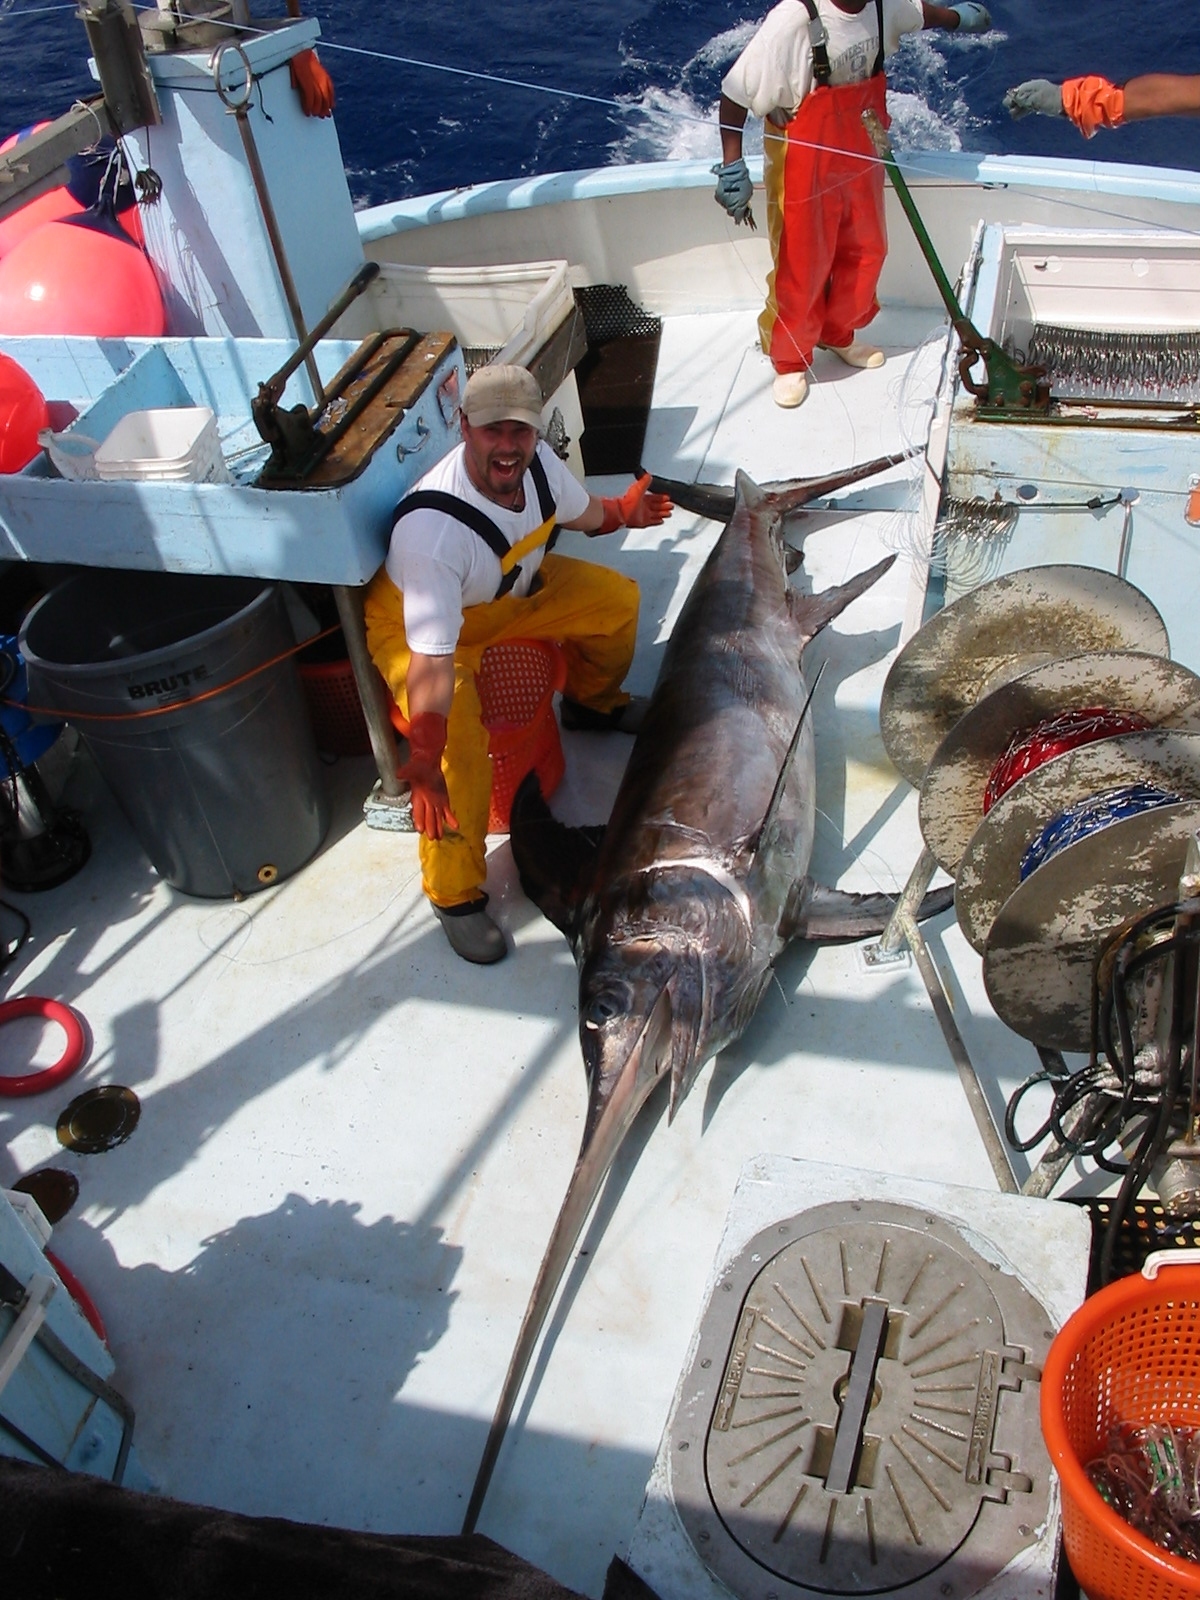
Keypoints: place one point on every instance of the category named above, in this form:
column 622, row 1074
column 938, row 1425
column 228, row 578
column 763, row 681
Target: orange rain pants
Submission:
column 824, row 186
column 590, row 610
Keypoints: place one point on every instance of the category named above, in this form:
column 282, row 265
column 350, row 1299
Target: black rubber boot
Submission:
column 584, row 719
column 472, row 933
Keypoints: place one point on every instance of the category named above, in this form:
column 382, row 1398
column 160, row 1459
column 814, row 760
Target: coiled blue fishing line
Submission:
column 1090, row 816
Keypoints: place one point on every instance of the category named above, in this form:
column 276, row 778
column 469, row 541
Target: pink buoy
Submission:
column 80, row 275
column 22, row 413
column 44, row 208
column 48, row 207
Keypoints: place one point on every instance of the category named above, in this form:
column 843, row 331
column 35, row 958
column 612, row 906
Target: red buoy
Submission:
column 81, row 275
column 22, row 413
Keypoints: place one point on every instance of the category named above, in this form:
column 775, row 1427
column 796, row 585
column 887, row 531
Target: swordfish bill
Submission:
column 678, row 912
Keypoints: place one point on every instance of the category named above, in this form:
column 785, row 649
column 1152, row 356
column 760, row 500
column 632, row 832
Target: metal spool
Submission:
column 1040, row 954
column 990, row 869
column 1166, row 693
column 860, row 1414
column 998, row 631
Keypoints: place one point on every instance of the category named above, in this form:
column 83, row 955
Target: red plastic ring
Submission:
column 32, row 1005
column 80, row 1296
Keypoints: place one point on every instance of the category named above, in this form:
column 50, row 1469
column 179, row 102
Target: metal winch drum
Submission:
column 997, row 632
column 860, row 1414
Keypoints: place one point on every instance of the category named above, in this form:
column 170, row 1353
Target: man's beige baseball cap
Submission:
column 502, row 394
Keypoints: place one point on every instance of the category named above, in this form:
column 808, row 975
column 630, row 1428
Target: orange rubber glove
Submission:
column 1093, row 103
column 313, row 84
column 635, row 508
column 431, row 811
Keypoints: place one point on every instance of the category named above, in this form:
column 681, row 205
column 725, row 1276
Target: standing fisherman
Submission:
column 810, row 72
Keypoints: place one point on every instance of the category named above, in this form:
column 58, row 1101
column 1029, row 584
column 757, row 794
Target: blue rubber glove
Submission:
column 972, row 17
column 1037, row 94
column 734, row 190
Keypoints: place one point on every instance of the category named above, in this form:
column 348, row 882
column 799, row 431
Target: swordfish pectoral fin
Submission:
column 554, row 862
column 812, row 612
column 610, row 1118
column 826, row 915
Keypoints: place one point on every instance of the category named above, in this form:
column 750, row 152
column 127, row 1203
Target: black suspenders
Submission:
column 478, row 521
column 819, row 43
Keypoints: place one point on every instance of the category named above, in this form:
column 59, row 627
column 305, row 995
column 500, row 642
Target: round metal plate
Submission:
column 99, row 1119
column 995, row 633
column 1041, row 951
column 1164, row 692
column 844, row 1430
column 990, row 869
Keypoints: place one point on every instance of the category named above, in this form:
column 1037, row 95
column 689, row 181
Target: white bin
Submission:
column 173, row 444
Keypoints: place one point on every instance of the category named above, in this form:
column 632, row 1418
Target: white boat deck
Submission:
column 314, row 1252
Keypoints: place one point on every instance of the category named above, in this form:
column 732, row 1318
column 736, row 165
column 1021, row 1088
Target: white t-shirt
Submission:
column 774, row 71
column 440, row 565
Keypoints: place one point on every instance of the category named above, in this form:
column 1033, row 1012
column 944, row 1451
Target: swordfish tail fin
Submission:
column 715, row 500
column 610, row 1117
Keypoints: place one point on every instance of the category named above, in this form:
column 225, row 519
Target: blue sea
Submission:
column 600, row 81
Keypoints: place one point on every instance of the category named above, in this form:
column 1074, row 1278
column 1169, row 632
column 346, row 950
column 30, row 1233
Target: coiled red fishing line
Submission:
column 1030, row 748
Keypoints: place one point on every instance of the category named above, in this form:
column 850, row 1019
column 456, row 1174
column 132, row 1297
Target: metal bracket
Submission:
column 390, row 813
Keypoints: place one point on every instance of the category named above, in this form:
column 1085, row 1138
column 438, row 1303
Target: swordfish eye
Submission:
column 605, row 1005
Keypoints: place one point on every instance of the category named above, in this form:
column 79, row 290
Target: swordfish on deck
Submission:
column 678, row 912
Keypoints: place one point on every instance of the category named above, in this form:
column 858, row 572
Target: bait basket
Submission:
column 1129, row 1355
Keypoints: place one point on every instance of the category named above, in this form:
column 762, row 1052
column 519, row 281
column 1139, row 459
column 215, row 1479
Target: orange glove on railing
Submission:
column 635, row 508
column 431, row 811
column 1093, row 103
column 313, row 84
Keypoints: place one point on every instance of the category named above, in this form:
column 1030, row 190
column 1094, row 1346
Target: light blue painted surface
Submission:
column 308, row 536
column 206, row 234
column 41, row 1399
column 453, row 205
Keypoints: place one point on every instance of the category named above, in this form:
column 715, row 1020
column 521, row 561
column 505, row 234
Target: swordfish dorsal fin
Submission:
column 813, row 611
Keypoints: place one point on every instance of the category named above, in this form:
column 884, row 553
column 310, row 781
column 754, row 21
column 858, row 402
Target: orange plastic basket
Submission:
column 517, row 682
column 1129, row 1355
column 336, row 711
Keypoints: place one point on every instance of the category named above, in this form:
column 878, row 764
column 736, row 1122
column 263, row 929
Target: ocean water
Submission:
column 637, row 80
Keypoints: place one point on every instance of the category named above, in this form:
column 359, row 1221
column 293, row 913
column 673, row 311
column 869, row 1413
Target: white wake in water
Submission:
column 679, row 122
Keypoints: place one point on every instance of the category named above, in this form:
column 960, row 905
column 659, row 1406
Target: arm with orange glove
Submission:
column 430, row 688
column 638, row 507
column 1093, row 102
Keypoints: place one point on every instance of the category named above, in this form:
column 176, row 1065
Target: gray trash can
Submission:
column 225, row 791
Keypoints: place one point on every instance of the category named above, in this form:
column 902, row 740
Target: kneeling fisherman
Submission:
column 468, row 566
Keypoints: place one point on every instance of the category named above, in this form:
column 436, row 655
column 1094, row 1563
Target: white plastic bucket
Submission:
column 173, row 444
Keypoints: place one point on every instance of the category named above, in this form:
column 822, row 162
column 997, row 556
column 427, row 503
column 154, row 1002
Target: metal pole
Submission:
column 1079, row 1123
column 240, row 110
column 932, row 979
column 370, row 689
column 890, row 947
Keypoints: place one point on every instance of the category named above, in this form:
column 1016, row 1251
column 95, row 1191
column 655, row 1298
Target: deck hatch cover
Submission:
column 861, row 1411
